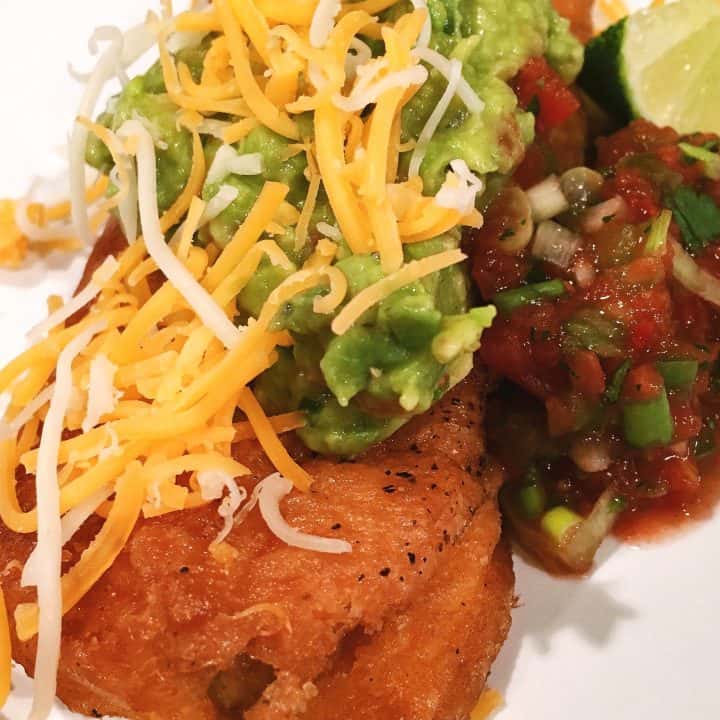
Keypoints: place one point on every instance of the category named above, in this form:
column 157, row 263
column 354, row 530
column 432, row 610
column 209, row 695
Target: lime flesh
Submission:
column 662, row 64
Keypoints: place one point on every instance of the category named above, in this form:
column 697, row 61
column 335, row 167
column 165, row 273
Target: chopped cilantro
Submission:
column 698, row 217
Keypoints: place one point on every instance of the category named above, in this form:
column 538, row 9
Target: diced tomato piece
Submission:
column 637, row 138
column 642, row 197
column 561, row 417
column 525, row 348
column 643, row 383
column 540, row 88
column 586, row 373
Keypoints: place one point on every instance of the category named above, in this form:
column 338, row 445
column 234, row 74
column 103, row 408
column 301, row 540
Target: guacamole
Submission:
column 410, row 348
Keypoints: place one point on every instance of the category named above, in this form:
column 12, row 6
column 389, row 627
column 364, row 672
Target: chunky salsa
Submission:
column 607, row 285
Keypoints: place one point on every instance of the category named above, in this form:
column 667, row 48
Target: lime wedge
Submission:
column 662, row 64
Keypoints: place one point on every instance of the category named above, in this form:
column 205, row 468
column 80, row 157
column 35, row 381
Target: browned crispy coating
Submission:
column 174, row 631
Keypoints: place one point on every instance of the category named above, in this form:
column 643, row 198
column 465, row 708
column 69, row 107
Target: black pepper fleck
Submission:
column 411, row 558
column 336, row 526
column 184, row 569
column 389, row 489
column 385, row 572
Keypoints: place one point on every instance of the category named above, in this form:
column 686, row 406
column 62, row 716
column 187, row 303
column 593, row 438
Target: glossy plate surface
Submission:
column 638, row 639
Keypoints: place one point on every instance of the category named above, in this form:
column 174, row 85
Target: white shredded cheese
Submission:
column 102, row 396
column 273, row 489
column 221, row 201
column 360, row 98
column 202, row 303
column 359, row 54
column 229, row 162
column 464, row 91
column 330, row 231
column 212, row 485
column 49, row 542
column 99, row 279
column 134, row 44
column 72, row 521
column 460, row 189
column 11, row 428
column 323, row 21
column 424, row 37
column 436, row 116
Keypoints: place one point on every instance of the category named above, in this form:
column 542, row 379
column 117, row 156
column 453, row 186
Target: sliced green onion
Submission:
column 509, row 300
column 678, row 374
column 648, row 423
column 531, row 495
column 532, row 500
column 710, row 160
column 558, row 521
column 657, row 239
column 614, row 388
column 591, row 330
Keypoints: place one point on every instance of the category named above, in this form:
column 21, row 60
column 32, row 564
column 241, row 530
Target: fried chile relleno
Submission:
column 256, row 629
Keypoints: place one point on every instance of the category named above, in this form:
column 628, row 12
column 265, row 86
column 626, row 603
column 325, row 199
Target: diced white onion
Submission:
column 99, row 279
column 694, row 278
column 598, row 215
column 464, row 91
column 102, row 397
column 49, row 536
column 436, row 116
column 591, row 455
column 273, row 489
column 555, row 244
column 547, row 199
column 357, row 100
column 202, row 303
column 323, row 21
column 229, row 162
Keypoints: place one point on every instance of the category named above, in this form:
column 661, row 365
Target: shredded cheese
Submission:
column 197, row 297
column 271, row 491
column 49, row 544
column 101, row 391
column 323, row 21
column 435, row 118
column 99, row 279
column 212, row 483
column 229, row 162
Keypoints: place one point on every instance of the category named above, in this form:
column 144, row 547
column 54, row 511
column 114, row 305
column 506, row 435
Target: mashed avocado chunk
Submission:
column 493, row 39
column 400, row 357
column 406, row 351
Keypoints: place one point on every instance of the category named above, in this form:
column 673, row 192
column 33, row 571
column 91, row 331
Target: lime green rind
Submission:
column 603, row 74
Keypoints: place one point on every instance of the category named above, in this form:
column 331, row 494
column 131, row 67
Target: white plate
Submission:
column 636, row 640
